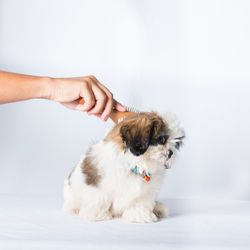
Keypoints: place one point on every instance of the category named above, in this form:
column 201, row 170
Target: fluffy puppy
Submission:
column 121, row 175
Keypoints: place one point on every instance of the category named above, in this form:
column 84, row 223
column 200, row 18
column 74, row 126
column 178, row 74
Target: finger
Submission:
column 98, row 115
column 109, row 104
column 101, row 100
column 107, row 111
column 73, row 105
column 70, row 105
column 105, row 89
column 89, row 99
column 119, row 106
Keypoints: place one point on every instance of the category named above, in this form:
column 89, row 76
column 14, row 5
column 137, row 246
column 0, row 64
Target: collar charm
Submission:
column 144, row 175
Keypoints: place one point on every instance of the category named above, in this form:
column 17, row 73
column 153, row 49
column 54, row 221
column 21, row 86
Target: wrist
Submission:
column 46, row 84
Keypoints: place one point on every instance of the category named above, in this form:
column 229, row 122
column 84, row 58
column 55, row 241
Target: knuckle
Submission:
column 110, row 95
column 92, row 77
column 85, row 83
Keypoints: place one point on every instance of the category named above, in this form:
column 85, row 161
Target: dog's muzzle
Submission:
column 168, row 156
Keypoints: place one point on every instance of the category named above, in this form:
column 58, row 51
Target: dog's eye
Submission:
column 123, row 139
column 162, row 139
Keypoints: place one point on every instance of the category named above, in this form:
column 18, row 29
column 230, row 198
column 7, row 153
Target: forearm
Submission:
column 18, row 87
column 98, row 100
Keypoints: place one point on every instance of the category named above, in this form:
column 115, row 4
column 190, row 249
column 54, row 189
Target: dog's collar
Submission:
column 144, row 175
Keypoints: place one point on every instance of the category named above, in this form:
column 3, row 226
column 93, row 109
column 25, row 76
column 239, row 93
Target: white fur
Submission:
column 120, row 192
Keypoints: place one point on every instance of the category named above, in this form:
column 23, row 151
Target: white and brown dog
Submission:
column 121, row 175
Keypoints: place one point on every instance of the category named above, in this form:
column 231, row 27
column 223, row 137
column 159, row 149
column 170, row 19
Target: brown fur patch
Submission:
column 90, row 171
column 137, row 125
column 70, row 175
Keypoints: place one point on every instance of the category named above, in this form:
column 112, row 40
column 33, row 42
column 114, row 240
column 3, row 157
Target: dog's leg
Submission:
column 71, row 204
column 160, row 210
column 140, row 211
column 71, row 207
column 95, row 207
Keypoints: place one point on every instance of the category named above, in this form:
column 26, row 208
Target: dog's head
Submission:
column 149, row 136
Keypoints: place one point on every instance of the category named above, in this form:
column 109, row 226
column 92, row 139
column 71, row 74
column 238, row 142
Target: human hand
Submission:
column 98, row 100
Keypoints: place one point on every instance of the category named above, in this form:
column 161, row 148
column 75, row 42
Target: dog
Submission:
column 121, row 175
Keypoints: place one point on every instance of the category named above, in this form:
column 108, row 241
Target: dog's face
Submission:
column 150, row 137
column 143, row 131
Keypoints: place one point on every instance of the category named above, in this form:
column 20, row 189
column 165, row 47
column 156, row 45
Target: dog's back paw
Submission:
column 160, row 210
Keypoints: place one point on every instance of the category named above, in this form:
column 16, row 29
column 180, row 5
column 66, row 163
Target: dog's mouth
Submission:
column 167, row 157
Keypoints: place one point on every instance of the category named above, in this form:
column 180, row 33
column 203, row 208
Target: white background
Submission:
column 191, row 58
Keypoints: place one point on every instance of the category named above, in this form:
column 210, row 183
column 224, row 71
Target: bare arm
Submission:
column 68, row 91
column 17, row 87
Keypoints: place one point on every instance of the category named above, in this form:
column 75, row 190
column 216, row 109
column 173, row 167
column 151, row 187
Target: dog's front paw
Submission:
column 70, row 208
column 160, row 210
column 95, row 216
column 139, row 215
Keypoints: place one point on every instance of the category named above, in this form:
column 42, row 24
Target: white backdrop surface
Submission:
column 186, row 57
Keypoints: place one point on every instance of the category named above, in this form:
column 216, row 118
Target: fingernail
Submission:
column 121, row 108
column 105, row 118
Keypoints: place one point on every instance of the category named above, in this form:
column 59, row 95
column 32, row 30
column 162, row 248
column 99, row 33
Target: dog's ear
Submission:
column 124, row 130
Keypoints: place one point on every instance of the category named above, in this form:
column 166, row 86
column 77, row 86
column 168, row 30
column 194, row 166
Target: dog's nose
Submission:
column 138, row 148
column 138, row 144
column 137, row 153
column 170, row 153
